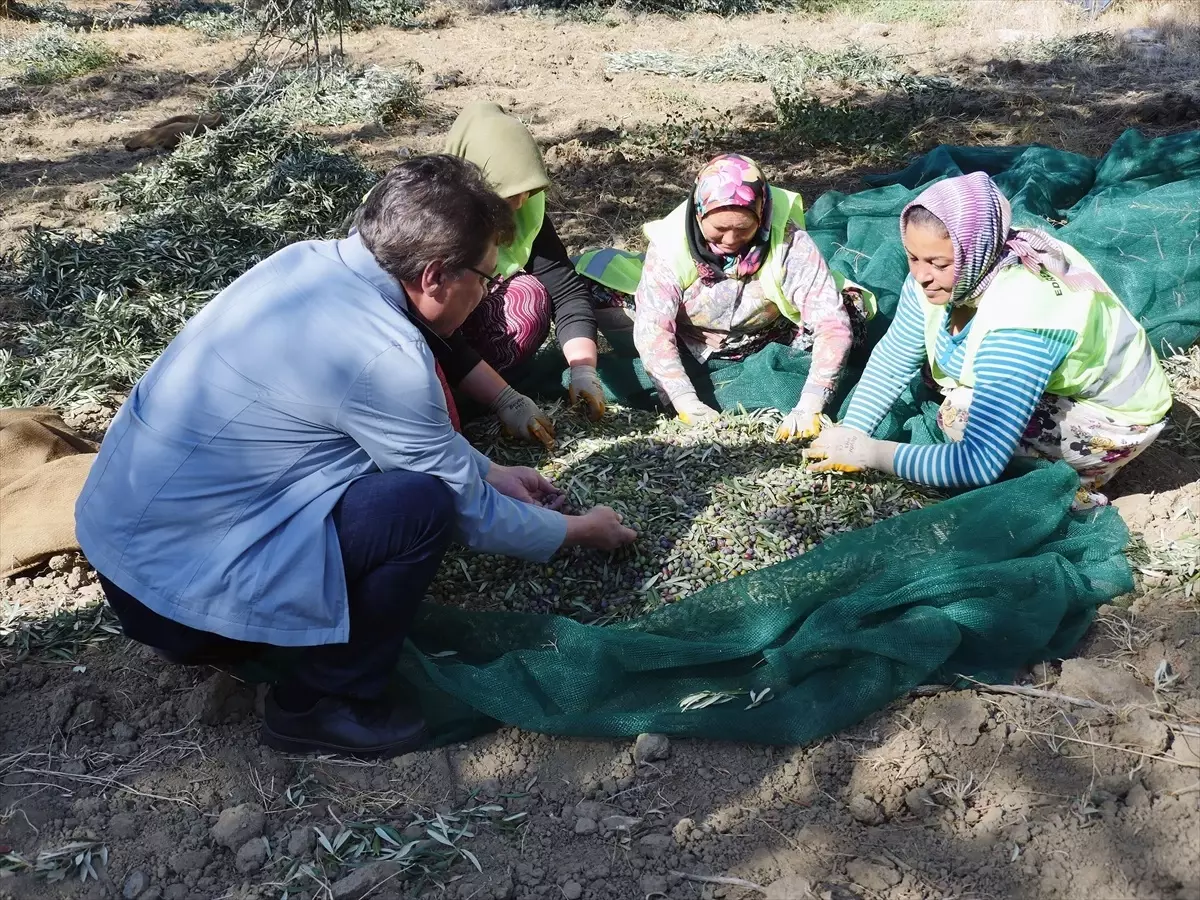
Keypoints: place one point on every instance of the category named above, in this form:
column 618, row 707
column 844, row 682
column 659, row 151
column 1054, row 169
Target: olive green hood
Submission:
column 500, row 145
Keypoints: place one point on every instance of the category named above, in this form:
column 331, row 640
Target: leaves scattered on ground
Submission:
column 92, row 312
column 53, row 54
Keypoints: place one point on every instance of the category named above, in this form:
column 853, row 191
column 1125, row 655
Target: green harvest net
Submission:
column 978, row 585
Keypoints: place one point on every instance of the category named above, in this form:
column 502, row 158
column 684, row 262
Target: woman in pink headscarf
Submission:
column 730, row 271
column 1034, row 353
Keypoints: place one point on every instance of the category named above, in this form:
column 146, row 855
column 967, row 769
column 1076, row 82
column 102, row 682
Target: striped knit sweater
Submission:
column 1012, row 368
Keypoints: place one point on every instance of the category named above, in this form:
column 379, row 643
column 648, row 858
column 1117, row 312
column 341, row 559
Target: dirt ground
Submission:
column 152, row 775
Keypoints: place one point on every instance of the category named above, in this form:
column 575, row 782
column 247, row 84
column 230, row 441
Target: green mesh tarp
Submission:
column 978, row 585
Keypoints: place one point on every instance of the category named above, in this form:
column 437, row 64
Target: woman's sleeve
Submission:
column 656, row 309
column 569, row 294
column 893, row 363
column 807, row 282
column 1012, row 369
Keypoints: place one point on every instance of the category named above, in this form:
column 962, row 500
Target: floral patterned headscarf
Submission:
column 978, row 219
column 730, row 180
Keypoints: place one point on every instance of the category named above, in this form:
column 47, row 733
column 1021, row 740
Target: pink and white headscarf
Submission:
column 979, row 220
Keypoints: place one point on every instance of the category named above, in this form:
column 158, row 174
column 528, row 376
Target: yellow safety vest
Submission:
column 1111, row 365
column 669, row 235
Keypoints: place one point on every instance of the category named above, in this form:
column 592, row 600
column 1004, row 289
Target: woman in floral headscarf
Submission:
column 730, row 271
column 1034, row 353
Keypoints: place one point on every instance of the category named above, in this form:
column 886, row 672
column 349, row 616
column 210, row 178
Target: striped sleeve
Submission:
column 893, row 363
column 1012, row 368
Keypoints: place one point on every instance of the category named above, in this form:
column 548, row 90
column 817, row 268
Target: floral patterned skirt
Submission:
column 1094, row 445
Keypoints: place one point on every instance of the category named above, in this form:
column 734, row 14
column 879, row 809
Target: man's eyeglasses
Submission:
column 489, row 281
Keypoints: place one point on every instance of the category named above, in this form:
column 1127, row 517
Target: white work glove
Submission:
column 691, row 411
column 523, row 418
column 586, row 388
column 842, row 449
column 804, row 421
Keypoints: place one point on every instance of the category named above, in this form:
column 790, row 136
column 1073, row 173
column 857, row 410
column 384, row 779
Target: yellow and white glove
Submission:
column 523, row 418
column 842, row 449
column 803, row 422
column 586, row 388
column 691, row 411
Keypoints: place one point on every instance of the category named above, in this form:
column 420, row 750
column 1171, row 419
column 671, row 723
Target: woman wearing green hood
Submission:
column 534, row 283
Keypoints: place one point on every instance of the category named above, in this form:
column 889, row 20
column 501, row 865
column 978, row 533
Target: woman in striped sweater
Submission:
column 1033, row 352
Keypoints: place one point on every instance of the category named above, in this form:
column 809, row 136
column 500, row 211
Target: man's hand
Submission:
column 525, row 484
column 692, row 411
column 599, row 528
column 803, row 422
column 842, row 449
column 586, row 388
column 523, row 418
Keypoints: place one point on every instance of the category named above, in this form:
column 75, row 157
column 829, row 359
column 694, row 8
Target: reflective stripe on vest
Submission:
column 613, row 268
column 1111, row 364
column 512, row 258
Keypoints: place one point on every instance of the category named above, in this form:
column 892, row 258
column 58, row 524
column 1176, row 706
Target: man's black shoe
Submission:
column 337, row 725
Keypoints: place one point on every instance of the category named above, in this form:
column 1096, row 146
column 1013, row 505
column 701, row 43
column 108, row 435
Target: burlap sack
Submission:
column 43, row 465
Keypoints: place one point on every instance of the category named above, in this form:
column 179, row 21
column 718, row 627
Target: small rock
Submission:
column 134, row 885
column 123, row 731
column 586, row 826
column 88, row 714
column 123, row 825
column 75, row 579
column 1186, row 749
column 590, row 809
column 1133, row 36
column 1092, row 680
column 238, row 824
column 1138, row 797
column 919, row 801
column 653, row 884
column 302, row 840
column 872, row 875
column 1141, row 732
column 1152, row 52
column 362, row 881
column 190, row 861
column 252, row 856
column 650, row 748
column 873, row 29
column 682, row 829
column 61, row 703
column 788, row 888
column 208, row 700
column 960, row 719
column 572, row 890
column 618, row 823
column 60, row 563
column 655, row 845
column 865, row 810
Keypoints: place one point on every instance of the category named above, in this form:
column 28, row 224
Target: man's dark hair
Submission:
column 432, row 209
